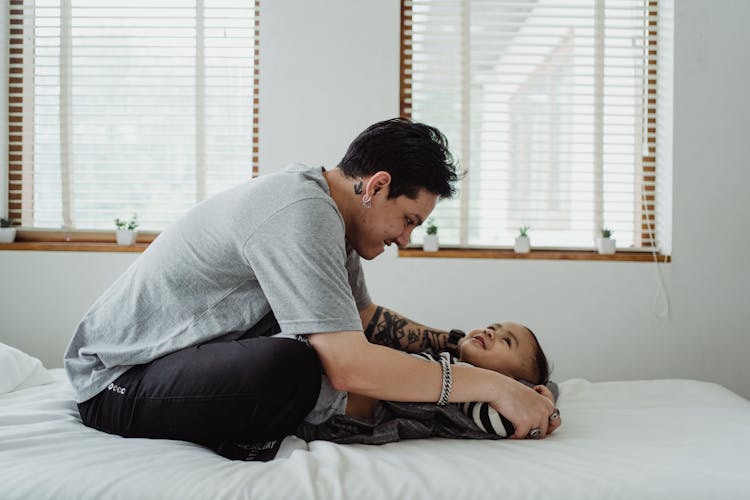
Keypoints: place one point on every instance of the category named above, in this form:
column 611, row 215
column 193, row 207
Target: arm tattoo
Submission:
column 391, row 330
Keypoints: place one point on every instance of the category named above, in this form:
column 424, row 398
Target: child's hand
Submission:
column 554, row 423
column 544, row 391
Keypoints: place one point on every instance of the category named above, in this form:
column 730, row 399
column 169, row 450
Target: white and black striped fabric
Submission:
column 484, row 416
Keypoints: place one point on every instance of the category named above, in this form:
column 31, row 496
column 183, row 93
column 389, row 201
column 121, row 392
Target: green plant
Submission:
column 127, row 224
column 606, row 233
column 431, row 227
column 5, row 222
column 523, row 230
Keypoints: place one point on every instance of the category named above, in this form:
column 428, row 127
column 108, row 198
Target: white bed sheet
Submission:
column 639, row 439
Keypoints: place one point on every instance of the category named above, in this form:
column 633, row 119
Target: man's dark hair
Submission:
column 416, row 155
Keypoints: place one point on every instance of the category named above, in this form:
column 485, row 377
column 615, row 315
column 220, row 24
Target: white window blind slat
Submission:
column 549, row 105
column 136, row 107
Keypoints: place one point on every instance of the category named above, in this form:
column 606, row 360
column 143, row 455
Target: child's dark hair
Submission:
column 416, row 155
column 543, row 371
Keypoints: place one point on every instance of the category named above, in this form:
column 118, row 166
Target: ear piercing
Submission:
column 367, row 201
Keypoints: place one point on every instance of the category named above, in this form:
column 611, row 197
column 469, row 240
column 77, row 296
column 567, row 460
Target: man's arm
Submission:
column 353, row 364
column 386, row 327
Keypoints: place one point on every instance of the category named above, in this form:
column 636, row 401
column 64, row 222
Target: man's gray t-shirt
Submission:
column 276, row 243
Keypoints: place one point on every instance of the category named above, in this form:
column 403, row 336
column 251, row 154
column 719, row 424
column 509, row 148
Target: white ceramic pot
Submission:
column 605, row 246
column 430, row 243
column 126, row 236
column 522, row 245
column 7, row 234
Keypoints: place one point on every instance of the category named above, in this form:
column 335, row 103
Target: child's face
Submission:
column 507, row 348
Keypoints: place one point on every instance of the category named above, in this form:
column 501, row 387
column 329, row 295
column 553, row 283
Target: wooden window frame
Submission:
column 648, row 198
column 77, row 239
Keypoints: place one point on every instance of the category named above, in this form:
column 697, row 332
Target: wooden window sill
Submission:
column 535, row 254
column 41, row 240
column 81, row 242
column 73, row 246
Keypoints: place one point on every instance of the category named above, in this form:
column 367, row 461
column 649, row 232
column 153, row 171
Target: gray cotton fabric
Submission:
column 394, row 421
column 273, row 244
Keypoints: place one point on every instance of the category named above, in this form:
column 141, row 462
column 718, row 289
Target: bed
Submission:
column 632, row 440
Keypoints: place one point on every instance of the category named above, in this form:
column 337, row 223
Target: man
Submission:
column 217, row 333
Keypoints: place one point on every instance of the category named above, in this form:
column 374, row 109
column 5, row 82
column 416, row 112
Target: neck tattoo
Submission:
column 358, row 187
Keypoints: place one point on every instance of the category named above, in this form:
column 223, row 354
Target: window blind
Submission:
column 550, row 105
column 128, row 107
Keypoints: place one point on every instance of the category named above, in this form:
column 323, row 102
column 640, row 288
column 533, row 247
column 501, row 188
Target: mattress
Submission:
column 634, row 439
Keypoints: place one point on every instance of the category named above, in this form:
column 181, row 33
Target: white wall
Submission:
column 328, row 70
column 332, row 68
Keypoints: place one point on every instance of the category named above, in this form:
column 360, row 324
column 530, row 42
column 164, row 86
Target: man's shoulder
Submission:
column 297, row 192
column 298, row 184
column 302, row 177
column 296, row 198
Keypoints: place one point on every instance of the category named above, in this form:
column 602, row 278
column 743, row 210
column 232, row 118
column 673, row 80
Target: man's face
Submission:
column 389, row 221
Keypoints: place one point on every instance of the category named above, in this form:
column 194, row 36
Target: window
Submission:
column 128, row 107
column 551, row 106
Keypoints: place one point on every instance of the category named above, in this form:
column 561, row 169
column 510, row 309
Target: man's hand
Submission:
column 554, row 423
column 526, row 408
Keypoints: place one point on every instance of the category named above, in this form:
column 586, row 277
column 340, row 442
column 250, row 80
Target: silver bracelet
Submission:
column 445, row 389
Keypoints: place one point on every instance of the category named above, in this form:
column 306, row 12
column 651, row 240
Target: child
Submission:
column 507, row 348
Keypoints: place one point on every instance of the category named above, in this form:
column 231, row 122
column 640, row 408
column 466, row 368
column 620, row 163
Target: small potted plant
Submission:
column 606, row 244
column 126, row 230
column 523, row 243
column 430, row 242
column 7, row 231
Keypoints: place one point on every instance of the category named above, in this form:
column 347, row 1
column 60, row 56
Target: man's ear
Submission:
column 377, row 182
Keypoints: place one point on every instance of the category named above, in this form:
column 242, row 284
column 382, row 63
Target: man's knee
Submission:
column 293, row 366
column 284, row 354
column 291, row 384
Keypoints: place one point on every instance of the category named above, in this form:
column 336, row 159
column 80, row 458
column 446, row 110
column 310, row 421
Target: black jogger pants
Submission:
column 248, row 390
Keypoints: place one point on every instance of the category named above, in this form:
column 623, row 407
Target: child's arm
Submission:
column 490, row 421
